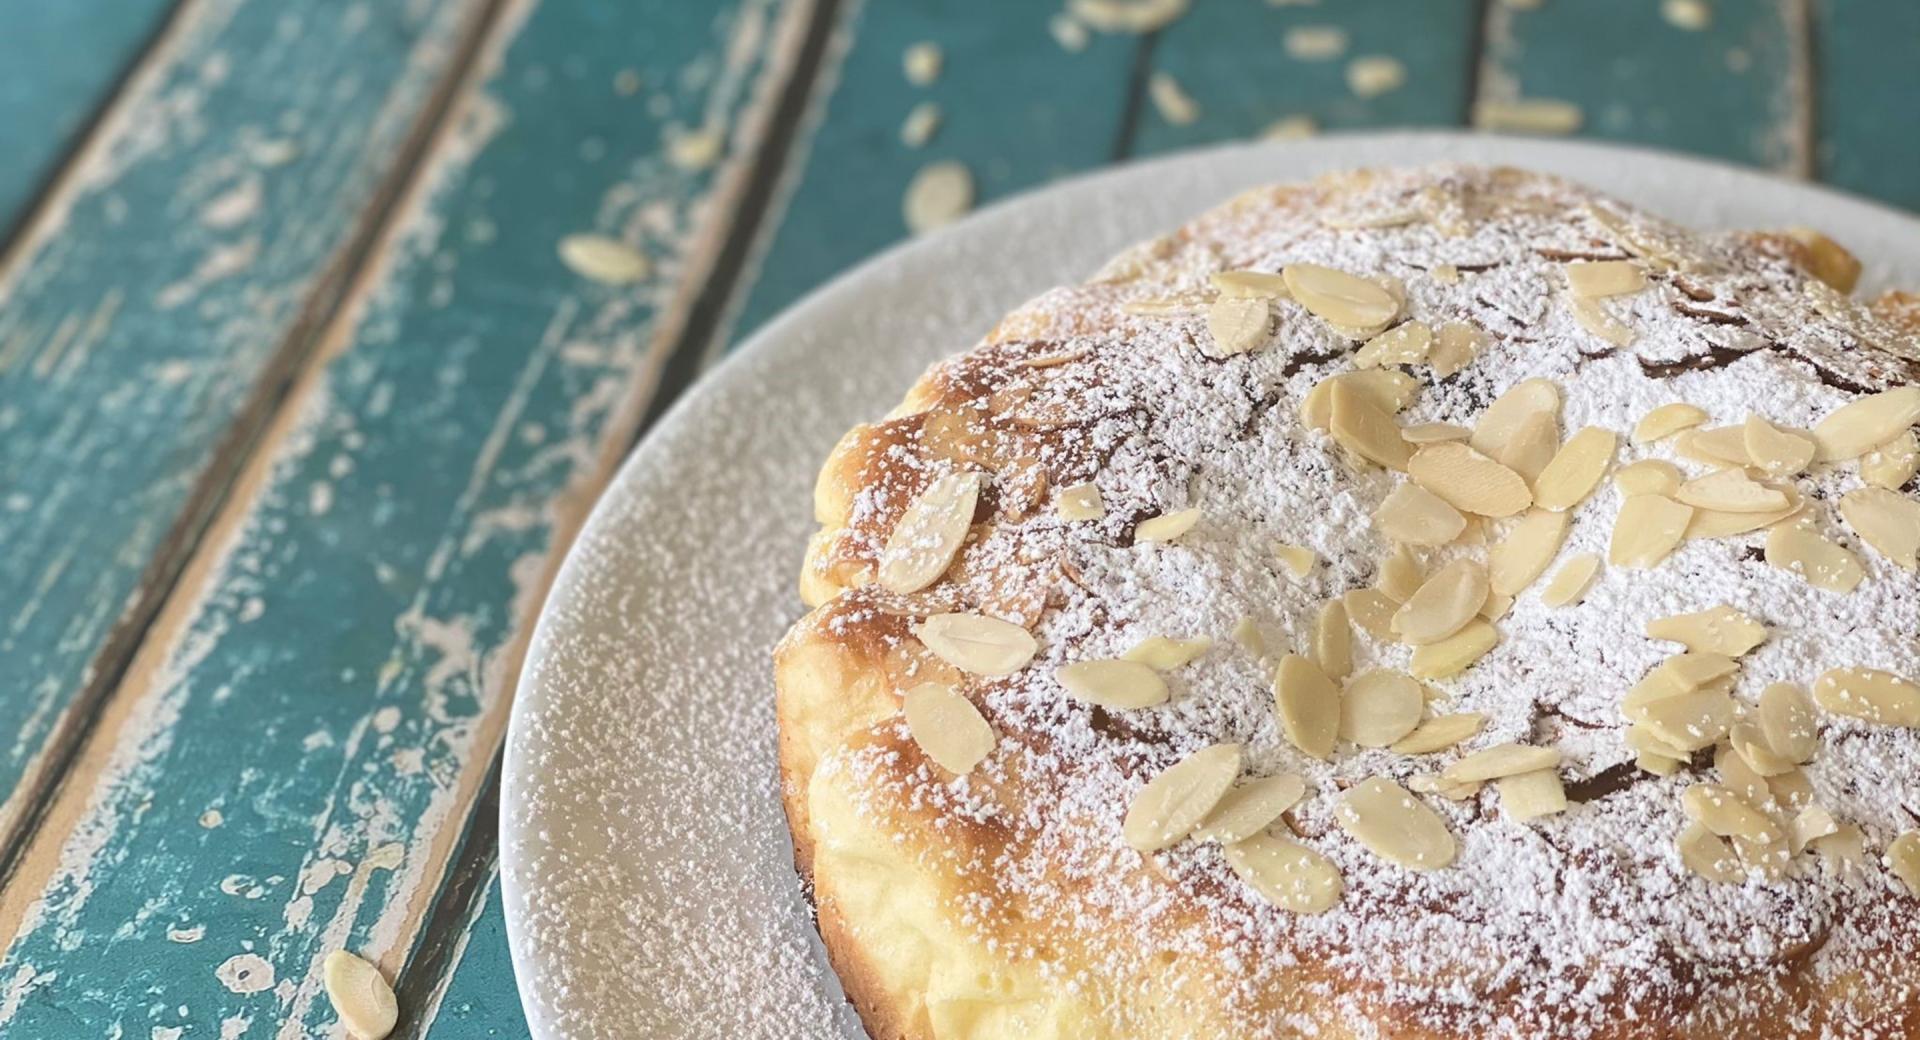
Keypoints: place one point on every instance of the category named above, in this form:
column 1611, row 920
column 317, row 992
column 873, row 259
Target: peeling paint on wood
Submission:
column 59, row 63
column 295, row 750
column 1736, row 89
column 152, row 293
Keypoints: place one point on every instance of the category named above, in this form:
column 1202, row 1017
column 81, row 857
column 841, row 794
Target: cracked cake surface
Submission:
column 1426, row 603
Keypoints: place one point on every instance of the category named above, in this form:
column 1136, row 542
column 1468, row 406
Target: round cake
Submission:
column 1431, row 603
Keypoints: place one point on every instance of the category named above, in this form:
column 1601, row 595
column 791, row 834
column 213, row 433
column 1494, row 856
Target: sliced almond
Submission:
column 1255, row 285
column 1121, row 685
column 1405, row 344
column 1768, row 858
column 1341, row 298
column 1826, row 259
column 1791, row 789
column 1502, row 760
column 361, row 996
column 1468, row 480
column 1658, row 765
column 1714, row 523
column 1781, row 453
column 1722, row 812
column 1654, row 686
column 1721, row 630
column 1903, row 858
column 1080, row 502
column 1799, row 549
column 1247, row 633
column 1532, row 446
column 1390, row 390
column 929, row 534
column 1412, row 515
column 977, row 644
column 1648, row 477
column 1512, row 410
column 1373, row 611
column 1166, row 527
column 1750, row 746
column 1455, row 346
column 1692, row 671
column 1890, row 465
column 1708, row 855
column 1172, row 804
column 1286, row 873
column 1309, row 705
column 1496, row 606
column 1869, row 694
column 1720, row 447
column 1856, row 428
column 1401, row 575
column 1786, row 718
column 1647, row 530
column 1741, row 778
column 1432, row 783
column 1455, row 653
column 1843, row 850
column 1691, row 721
column 1333, row 641
column 1247, row 808
column 1529, row 796
column 947, row 727
column 1429, row 433
column 1592, row 278
column 1297, row 559
column 1380, row 707
column 1569, row 584
column 1235, row 325
column 1641, row 738
column 1364, row 429
column 1443, row 604
column 1593, row 316
column 1730, row 491
column 1665, row 421
column 1440, row 733
column 1809, row 826
column 1886, row 520
column 1164, row 655
column 1395, row 825
column 1575, row 470
column 1516, row 560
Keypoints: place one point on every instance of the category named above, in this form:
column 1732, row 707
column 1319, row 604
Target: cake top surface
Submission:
column 1136, row 384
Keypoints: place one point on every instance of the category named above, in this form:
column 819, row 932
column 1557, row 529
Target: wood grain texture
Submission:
column 479, row 1001
column 59, row 65
column 1234, row 61
column 1019, row 111
column 1738, row 89
column 152, row 307
column 294, row 752
column 1869, row 61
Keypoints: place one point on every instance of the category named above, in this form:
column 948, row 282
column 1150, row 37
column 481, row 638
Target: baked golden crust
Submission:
column 1004, row 903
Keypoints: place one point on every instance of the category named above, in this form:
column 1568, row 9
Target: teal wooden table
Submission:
column 322, row 323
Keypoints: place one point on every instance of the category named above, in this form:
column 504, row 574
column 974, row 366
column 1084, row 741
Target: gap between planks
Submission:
column 26, row 810
column 325, row 334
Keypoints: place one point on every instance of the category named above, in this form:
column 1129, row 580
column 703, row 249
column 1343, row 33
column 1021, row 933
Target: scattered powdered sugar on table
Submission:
column 1561, row 925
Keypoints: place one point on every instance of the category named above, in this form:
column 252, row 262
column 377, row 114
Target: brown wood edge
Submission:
column 437, row 920
column 41, row 811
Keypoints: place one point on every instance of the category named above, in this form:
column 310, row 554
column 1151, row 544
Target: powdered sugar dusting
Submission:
column 1566, row 926
column 645, row 863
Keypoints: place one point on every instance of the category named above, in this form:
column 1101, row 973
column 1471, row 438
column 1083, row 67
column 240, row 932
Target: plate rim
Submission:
column 763, row 347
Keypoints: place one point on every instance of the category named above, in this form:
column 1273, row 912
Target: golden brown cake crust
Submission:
column 1005, row 903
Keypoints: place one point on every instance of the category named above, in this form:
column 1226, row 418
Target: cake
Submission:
column 1434, row 603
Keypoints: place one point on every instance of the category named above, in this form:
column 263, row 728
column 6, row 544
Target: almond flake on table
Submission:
column 939, row 194
column 1543, row 116
column 1171, row 100
column 1372, row 75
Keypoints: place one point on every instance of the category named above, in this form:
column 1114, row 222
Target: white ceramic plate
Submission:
column 645, row 861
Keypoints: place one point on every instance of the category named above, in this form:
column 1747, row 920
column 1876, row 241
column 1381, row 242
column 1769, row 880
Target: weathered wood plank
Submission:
column 59, row 63
column 480, row 1001
column 1869, row 82
column 1247, row 67
column 1736, row 88
column 294, row 752
column 150, row 311
column 1019, row 110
